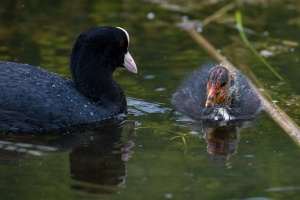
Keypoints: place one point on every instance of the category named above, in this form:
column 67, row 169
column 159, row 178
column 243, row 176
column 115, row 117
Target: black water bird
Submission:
column 35, row 100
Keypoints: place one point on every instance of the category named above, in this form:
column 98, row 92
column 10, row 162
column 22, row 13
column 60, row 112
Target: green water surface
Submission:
column 165, row 156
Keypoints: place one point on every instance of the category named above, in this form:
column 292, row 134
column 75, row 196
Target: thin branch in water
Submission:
column 218, row 13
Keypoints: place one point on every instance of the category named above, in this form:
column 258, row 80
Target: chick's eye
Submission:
column 121, row 43
column 223, row 84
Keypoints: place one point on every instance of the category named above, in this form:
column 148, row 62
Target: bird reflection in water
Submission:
column 222, row 142
column 222, row 139
column 97, row 158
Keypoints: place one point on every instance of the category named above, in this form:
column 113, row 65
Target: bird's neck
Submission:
column 96, row 82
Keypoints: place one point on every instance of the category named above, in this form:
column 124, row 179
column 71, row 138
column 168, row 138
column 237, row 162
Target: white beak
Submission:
column 129, row 63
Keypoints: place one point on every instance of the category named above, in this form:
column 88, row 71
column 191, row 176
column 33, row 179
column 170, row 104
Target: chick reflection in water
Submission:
column 97, row 157
column 222, row 142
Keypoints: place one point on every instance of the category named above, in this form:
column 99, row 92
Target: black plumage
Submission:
column 35, row 100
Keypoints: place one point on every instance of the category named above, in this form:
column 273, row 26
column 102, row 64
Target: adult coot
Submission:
column 36, row 100
column 217, row 93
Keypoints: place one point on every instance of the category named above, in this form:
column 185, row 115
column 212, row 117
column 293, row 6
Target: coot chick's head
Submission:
column 218, row 83
column 96, row 54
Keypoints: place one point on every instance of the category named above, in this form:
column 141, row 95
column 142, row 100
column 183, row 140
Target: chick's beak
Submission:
column 129, row 63
column 213, row 90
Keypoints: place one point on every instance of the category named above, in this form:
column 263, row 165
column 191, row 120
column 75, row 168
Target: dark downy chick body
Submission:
column 217, row 93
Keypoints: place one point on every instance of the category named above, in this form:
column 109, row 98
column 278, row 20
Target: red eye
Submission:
column 121, row 44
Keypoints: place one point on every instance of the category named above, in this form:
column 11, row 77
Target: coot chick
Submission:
column 217, row 93
column 36, row 100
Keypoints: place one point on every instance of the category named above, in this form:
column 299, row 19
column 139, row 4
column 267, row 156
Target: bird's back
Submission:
column 39, row 98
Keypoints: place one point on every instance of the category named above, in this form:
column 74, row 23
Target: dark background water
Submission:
column 164, row 157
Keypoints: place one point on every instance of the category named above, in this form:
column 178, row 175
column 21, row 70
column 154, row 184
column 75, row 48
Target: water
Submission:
column 165, row 156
